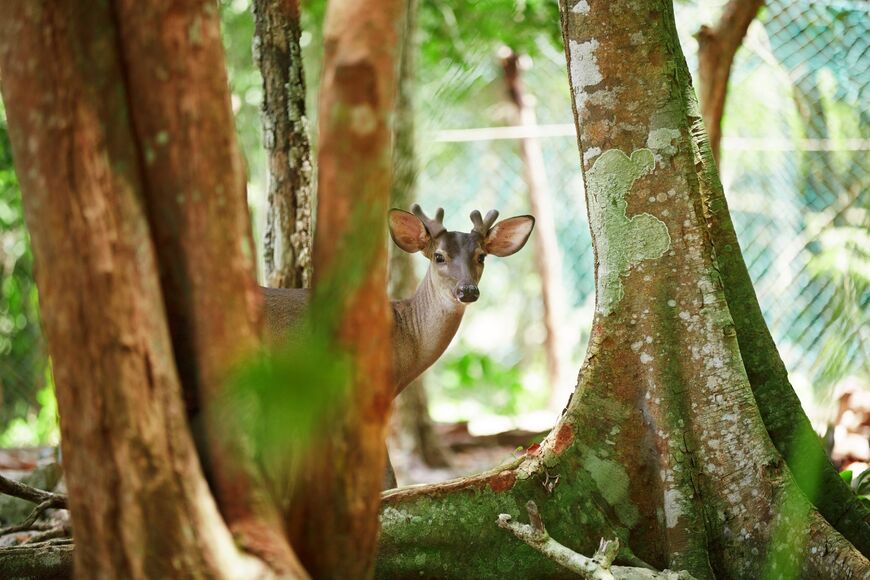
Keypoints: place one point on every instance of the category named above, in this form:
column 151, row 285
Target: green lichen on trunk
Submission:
column 622, row 241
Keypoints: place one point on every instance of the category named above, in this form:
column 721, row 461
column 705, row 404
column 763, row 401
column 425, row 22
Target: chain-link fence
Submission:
column 795, row 166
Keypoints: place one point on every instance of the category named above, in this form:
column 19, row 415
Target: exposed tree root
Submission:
column 784, row 418
column 598, row 567
column 46, row 560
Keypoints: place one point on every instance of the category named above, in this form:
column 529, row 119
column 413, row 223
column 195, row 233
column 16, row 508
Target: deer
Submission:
column 425, row 323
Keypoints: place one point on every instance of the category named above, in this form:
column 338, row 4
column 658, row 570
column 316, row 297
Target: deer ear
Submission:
column 407, row 231
column 509, row 236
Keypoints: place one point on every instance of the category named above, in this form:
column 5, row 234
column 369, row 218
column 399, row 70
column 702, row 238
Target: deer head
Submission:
column 457, row 258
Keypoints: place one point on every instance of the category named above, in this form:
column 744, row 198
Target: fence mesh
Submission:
column 795, row 166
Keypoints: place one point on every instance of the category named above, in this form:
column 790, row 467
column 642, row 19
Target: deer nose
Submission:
column 467, row 293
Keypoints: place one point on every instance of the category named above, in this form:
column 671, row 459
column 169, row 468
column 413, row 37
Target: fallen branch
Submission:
column 31, row 494
column 57, row 531
column 598, row 567
column 44, row 499
column 28, row 523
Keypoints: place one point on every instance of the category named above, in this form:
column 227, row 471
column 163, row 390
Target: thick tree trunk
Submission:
column 663, row 444
column 412, row 405
column 139, row 502
column 548, row 259
column 195, row 197
column 716, row 49
column 287, row 248
column 334, row 524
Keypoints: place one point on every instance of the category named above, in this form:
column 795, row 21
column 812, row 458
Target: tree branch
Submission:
column 29, row 521
column 32, row 494
column 598, row 567
column 717, row 46
column 44, row 500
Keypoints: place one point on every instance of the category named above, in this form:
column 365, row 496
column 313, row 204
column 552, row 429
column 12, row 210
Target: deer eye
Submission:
column 481, row 258
column 439, row 258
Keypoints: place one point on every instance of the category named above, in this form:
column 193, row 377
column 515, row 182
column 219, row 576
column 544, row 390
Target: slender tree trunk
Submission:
column 716, row 49
column 663, row 444
column 287, row 251
column 412, row 405
column 548, row 259
column 334, row 511
column 139, row 502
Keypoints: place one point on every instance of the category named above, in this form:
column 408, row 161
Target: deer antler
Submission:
column 434, row 227
column 482, row 225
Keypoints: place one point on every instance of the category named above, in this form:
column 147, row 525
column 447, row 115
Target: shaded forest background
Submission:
column 795, row 164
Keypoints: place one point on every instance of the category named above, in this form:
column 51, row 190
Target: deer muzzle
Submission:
column 467, row 293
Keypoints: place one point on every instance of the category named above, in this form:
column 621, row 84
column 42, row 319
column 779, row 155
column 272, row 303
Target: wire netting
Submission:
column 795, row 166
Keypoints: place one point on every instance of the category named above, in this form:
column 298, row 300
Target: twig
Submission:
column 58, row 531
column 44, row 500
column 29, row 520
column 598, row 567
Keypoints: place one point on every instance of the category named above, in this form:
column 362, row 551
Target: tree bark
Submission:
column 548, row 259
column 333, row 522
column 287, row 248
column 194, row 191
column 717, row 46
column 662, row 444
column 786, row 422
column 412, row 405
column 51, row 560
column 138, row 499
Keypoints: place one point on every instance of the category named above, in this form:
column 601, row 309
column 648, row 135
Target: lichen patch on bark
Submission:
column 584, row 67
column 623, row 242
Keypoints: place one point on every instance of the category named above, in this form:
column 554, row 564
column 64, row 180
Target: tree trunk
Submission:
column 716, row 49
column 334, row 511
column 287, row 248
column 195, row 196
column 548, row 259
column 663, row 444
column 412, row 406
column 139, row 502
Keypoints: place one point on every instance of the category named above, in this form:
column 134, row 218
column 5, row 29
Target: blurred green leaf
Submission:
column 847, row 476
column 284, row 394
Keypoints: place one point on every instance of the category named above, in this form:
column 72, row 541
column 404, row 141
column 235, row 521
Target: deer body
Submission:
column 424, row 324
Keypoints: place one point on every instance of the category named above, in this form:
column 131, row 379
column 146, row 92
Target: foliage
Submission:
column 860, row 484
column 453, row 31
column 478, row 377
column 246, row 84
column 39, row 426
column 844, row 262
column 283, row 394
column 22, row 359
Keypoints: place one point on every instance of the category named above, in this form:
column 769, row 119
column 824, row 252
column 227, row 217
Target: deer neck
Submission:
column 423, row 327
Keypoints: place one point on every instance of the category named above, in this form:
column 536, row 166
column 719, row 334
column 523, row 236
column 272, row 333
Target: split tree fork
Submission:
column 683, row 438
column 120, row 119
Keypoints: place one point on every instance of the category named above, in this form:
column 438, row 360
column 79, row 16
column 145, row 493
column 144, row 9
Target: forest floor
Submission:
column 466, row 453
